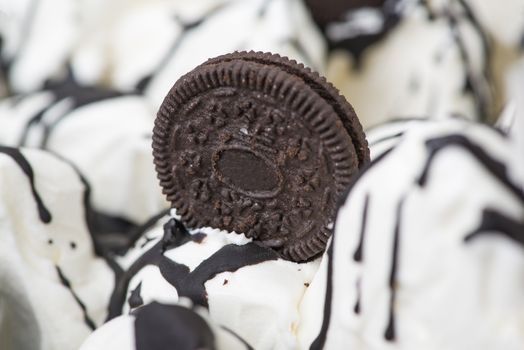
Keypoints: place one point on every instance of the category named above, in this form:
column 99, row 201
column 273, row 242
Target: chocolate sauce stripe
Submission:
column 320, row 340
column 46, row 218
column 33, row 121
column 25, row 166
column 65, row 282
column 357, row 256
column 407, row 120
column 493, row 166
column 135, row 299
column 119, row 294
column 472, row 81
column 188, row 283
column 356, row 307
column 174, row 235
column 229, row 258
column 483, row 35
column 495, row 222
column 390, row 333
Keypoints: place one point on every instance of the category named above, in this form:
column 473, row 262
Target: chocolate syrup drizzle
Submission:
column 356, row 308
column 135, row 300
column 493, row 166
column 45, row 217
column 18, row 157
column 358, row 254
column 165, row 327
column 151, row 257
column 495, row 222
column 190, row 284
column 229, row 258
column 65, row 282
column 390, row 333
column 473, row 82
column 320, row 340
column 4, row 69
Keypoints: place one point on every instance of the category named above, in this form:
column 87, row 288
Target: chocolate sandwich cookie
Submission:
column 258, row 144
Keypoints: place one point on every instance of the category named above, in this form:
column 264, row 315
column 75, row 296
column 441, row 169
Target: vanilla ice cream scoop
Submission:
column 432, row 262
column 105, row 133
column 54, row 285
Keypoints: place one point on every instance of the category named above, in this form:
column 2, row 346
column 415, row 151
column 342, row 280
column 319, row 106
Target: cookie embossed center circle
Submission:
column 247, row 172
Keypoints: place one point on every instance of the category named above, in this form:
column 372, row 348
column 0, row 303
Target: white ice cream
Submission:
column 108, row 140
column 433, row 261
column 248, row 289
column 53, row 288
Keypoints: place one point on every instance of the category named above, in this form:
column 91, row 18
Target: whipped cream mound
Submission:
column 165, row 326
column 54, row 289
column 246, row 287
column 434, row 261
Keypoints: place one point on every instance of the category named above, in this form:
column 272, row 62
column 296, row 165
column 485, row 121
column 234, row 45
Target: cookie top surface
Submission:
column 257, row 144
column 319, row 84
